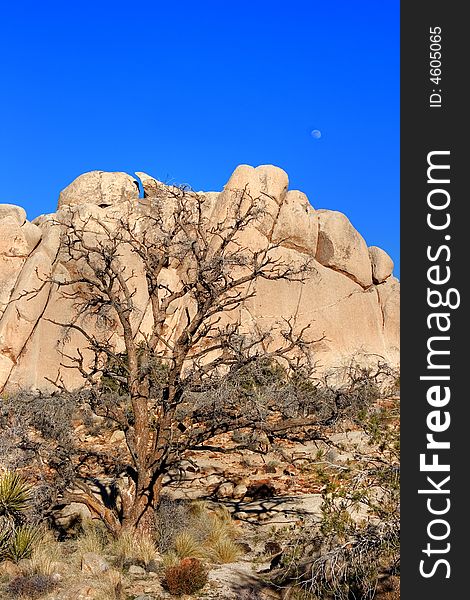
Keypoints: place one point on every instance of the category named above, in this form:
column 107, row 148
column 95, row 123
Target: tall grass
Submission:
column 130, row 545
column 93, row 538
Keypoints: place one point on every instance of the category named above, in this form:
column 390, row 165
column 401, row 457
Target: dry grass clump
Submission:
column 186, row 545
column 93, row 538
column 44, row 557
column 209, row 534
column 223, row 551
column 217, row 525
column 131, row 546
column 111, row 586
column 170, row 559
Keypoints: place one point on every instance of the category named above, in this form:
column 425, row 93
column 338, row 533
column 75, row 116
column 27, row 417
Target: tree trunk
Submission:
column 141, row 516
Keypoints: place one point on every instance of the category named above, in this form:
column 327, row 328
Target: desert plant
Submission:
column 30, row 586
column 223, row 550
column 44, row 556
column 172, row 517
column 15, row 495
column 23, row 541
column 186, row 545
column 170, row 559
column 134, row 546
column 208, row 526
column 92, row 538
column 357, row 541
column 197, row 508
column 187, row 577
column 111, row 586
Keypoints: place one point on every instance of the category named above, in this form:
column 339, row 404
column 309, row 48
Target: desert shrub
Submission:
column 187, row 577
column 357, row 541
column 30, row 586
column 34, row 426
column 172, row 517
column 342, row 567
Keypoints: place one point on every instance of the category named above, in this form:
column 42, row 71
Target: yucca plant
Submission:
column 6, row 530
column 17, row 540
column 15, row 495
column 22, row 542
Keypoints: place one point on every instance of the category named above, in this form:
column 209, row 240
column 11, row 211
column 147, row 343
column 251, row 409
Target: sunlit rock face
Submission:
column 349, row 298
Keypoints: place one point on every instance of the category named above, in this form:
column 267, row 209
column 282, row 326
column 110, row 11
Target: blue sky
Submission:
column 186, row 91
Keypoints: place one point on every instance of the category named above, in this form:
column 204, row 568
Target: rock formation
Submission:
column 350, row 296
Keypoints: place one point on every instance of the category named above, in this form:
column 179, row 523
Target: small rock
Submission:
column 213, row 480
column 117, row 437
column 242, row 515
column 155, row 564
column 239, row 491
column 225, row 490
column 136, row 570
column 144, row 597
column 94, row 563
column 8, row 567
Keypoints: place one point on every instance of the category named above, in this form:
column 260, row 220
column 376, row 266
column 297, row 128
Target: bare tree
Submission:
column 173, row 373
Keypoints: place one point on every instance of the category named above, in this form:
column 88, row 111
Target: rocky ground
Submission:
column 266, row 494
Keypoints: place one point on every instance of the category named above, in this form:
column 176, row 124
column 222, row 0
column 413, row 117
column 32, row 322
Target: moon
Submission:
column 316, row 133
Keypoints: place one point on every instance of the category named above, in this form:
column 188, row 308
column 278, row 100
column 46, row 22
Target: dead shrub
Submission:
column 30, row 586
column 187, row 577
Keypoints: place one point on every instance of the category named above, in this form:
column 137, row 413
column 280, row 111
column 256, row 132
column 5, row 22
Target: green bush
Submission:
column 23, row 541
column 17, row 540
column 15, row 495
